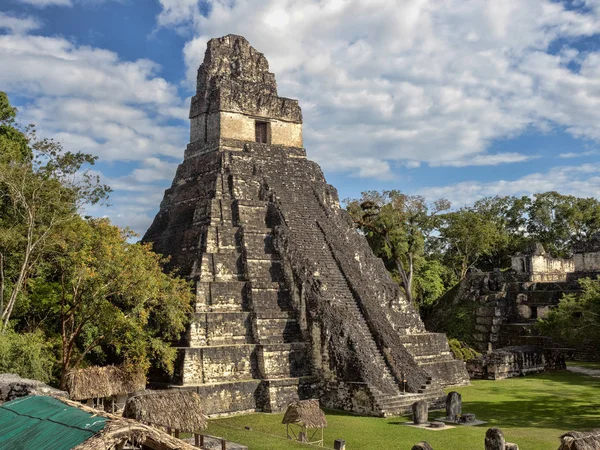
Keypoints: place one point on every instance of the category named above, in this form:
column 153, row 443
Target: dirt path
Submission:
column 585, row 371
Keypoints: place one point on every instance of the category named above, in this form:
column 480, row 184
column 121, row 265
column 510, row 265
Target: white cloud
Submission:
column 176, row 12
column 486, row 160
column 570, row 155
column 18, row 25
column 137, row 195
column 581, row 181
column 419, row 81
column 92, row 101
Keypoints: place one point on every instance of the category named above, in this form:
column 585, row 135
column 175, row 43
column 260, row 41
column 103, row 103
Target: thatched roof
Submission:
column 176, row 409
column 100, row 382
column 580, row 440
column 305, row 413
column 118, row 430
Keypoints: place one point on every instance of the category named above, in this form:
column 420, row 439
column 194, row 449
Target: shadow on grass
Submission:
column 559, row 400
column 538, row 413
column 337, row 412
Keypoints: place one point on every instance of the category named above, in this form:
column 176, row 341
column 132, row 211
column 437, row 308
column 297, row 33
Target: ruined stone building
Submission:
column 503, row 307
column 290, row 301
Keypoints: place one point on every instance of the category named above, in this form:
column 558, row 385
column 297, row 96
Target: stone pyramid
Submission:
column 290, row 301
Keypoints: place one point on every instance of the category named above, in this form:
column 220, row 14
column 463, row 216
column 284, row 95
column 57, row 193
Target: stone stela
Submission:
column 290, row 301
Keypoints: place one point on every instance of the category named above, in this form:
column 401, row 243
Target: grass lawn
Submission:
column 587, row 365
column 531, row 411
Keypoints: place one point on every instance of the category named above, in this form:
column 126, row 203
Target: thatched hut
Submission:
column 177, row 410
column 94, row 383
column 70, row 425
column 302, row 416
column 580, row 440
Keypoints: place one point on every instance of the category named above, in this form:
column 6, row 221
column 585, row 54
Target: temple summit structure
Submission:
column 290, row 302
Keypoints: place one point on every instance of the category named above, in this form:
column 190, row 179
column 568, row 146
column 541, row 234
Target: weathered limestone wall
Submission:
column 587, row 262
column 204, row 365
column 225, row 399
column 237, row 126
column 511, row 362
column 543, row 268
column 242, row 127
column 502, row 308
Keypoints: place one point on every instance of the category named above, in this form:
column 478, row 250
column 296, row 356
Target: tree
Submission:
column 561, row 221
column 112, row 299
column 26, row 354
column 42, row 188
column 13, row 141
column 432, row 280
column 508, row 214
column 576, row 319
column 466, row 236
column 396, row 226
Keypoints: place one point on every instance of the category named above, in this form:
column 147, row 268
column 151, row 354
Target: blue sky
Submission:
column 458, row 99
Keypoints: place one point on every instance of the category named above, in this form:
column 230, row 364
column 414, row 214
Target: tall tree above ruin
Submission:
column 42, row 188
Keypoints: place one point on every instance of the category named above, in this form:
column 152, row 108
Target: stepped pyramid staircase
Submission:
column 290, row 300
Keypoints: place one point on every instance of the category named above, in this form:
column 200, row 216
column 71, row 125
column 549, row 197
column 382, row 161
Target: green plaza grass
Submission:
column 587, row 365
column 532, row 412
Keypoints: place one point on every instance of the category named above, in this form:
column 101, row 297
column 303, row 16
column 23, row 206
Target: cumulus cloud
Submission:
column 91, row 100
column 420, row 81
column 581, row 181
column 136, row 195
column 17, row 25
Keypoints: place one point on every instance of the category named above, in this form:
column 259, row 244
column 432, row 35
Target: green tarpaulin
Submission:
column 45, row 423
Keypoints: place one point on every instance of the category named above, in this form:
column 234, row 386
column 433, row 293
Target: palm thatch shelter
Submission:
column 302, row 416
column 176, row 410
column 93, row 383
column 580, row 440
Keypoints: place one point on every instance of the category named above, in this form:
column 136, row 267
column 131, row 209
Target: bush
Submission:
column 576, row 319
column 462, row 350
column 26, row 354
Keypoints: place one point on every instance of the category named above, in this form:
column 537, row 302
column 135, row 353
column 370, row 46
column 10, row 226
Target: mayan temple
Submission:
column 290, row 301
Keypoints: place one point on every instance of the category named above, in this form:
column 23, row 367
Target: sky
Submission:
column 459, row 99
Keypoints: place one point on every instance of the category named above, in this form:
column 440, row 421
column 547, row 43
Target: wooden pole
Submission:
column 223, row 444
column 196, row 440
column 177, row 434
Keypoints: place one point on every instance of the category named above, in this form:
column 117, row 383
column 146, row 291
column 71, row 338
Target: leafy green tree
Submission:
column 111, row 299
column 508, row 214
column 42, row 188
column 576, row 320
column 29, row 355
column 13, row 140
column 467, row 236
column 432, row 280
column 561, row 221
column 396, row 226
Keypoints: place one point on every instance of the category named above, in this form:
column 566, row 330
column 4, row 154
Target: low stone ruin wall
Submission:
column 589, row 351
column 512, row 362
